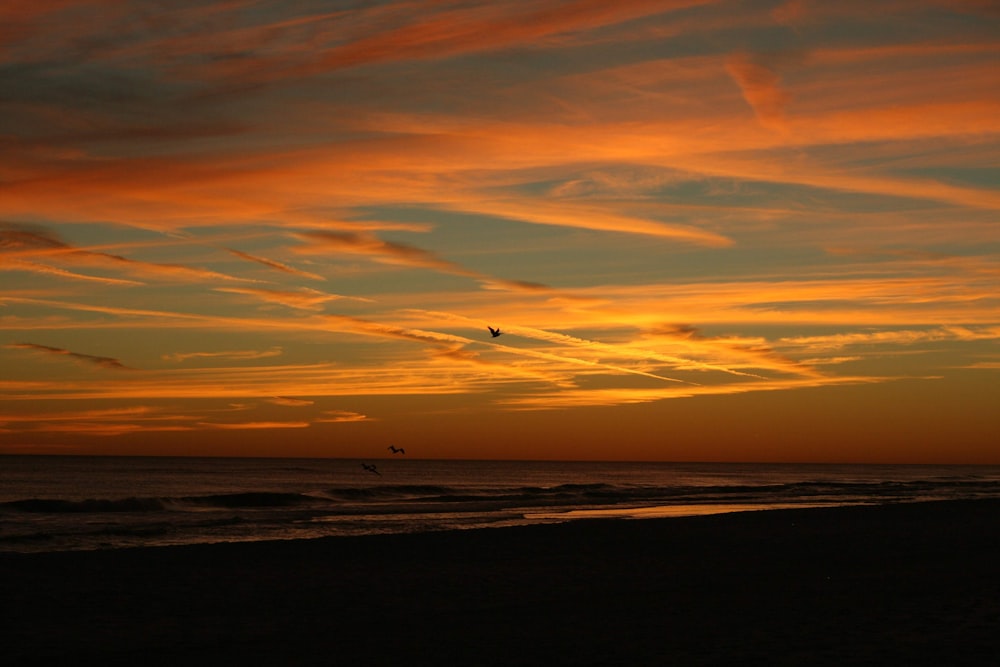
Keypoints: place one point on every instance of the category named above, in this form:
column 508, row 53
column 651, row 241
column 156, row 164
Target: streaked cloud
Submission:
column 304, row 298
column 628, row 396
column 399, row 254
column 275, row 265
column 761, row 87
column 227, row 354
column 340, row 416
column 290, row 402
column 892, row 337
column 44, row 269
column 303, row 217
column 18, row 242
column 383, row 251
column 89, row 359
column 242, row 426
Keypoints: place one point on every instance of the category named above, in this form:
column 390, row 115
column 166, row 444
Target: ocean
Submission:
column 64, row 503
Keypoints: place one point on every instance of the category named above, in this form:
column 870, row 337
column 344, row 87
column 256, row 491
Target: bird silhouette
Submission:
column 370, row 467
column 396, row 450
column 494, row 332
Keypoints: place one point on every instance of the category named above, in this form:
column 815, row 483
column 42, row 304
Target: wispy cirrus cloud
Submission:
column 103, row 429
column 340, row 417
column 761, row 88
column 89, row 359
column 397, row 254
column 590, row 216
column 626, row 396
column 628, row 351
column 110, row 414
column 634, row 351
column 225, row 354
column 44, row 269
column 303, row 298
column 152, row 419
column 403, row 32
column 503, row 371
column 275, row 265
column 984, row 365
column 893, row 337
column 107, row 422
column 20, row 242
column 369, row 245
column 289, row 402
column 686, row 198
column 252, row 426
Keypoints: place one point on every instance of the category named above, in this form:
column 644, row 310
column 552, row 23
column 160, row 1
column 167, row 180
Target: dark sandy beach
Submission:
column 915, row 584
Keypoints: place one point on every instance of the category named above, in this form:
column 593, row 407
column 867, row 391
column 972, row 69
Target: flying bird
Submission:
column 370, row 467
column 494, row 332
column 396, row 450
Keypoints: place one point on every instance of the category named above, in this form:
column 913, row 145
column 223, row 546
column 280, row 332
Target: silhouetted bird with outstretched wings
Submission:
column 370, row 467
column 396, row 450
column 494, row 332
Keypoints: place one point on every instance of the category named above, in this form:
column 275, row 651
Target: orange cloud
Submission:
column 18, row 242
column 241, row 426
column 228, row 354
column 625, row 396
column 306, row 299
column 407, row 33
column 399, row 254
column 275, row 265
column 891, row 337
column 340, row 416
column 720, row 190
column 632, row 351
column 383, row 251
column 104, row 429
column 44, row 269
column 101, row 422
column 290, row 402
column 761, row 88
column 129, row 412
column 582, row 216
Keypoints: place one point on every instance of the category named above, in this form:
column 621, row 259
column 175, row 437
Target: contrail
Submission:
column 541, row 334
column 585, row 362
column 572, row 341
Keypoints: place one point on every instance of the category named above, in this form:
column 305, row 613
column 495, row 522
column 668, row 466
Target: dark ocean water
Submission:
column 53, row 503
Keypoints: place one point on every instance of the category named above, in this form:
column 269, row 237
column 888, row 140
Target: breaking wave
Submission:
column 561, row 494
column 188, row 501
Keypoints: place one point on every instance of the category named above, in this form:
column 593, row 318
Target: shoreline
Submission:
column 908, row 583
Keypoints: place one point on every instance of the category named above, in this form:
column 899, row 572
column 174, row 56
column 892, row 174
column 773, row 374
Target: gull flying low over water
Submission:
column 370, row 467
column 494, row 332
column 396, row 450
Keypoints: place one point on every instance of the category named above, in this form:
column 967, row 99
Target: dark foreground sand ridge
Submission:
column 915, row 584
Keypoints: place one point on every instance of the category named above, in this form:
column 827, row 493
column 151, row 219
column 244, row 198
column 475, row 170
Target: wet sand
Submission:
column 915, row 584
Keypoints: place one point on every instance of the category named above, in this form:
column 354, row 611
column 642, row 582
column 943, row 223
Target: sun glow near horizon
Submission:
column 709, row 230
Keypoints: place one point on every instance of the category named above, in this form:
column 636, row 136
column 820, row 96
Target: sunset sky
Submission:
column 710, row 231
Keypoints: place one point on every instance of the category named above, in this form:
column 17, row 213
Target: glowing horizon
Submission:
column 709, row 230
